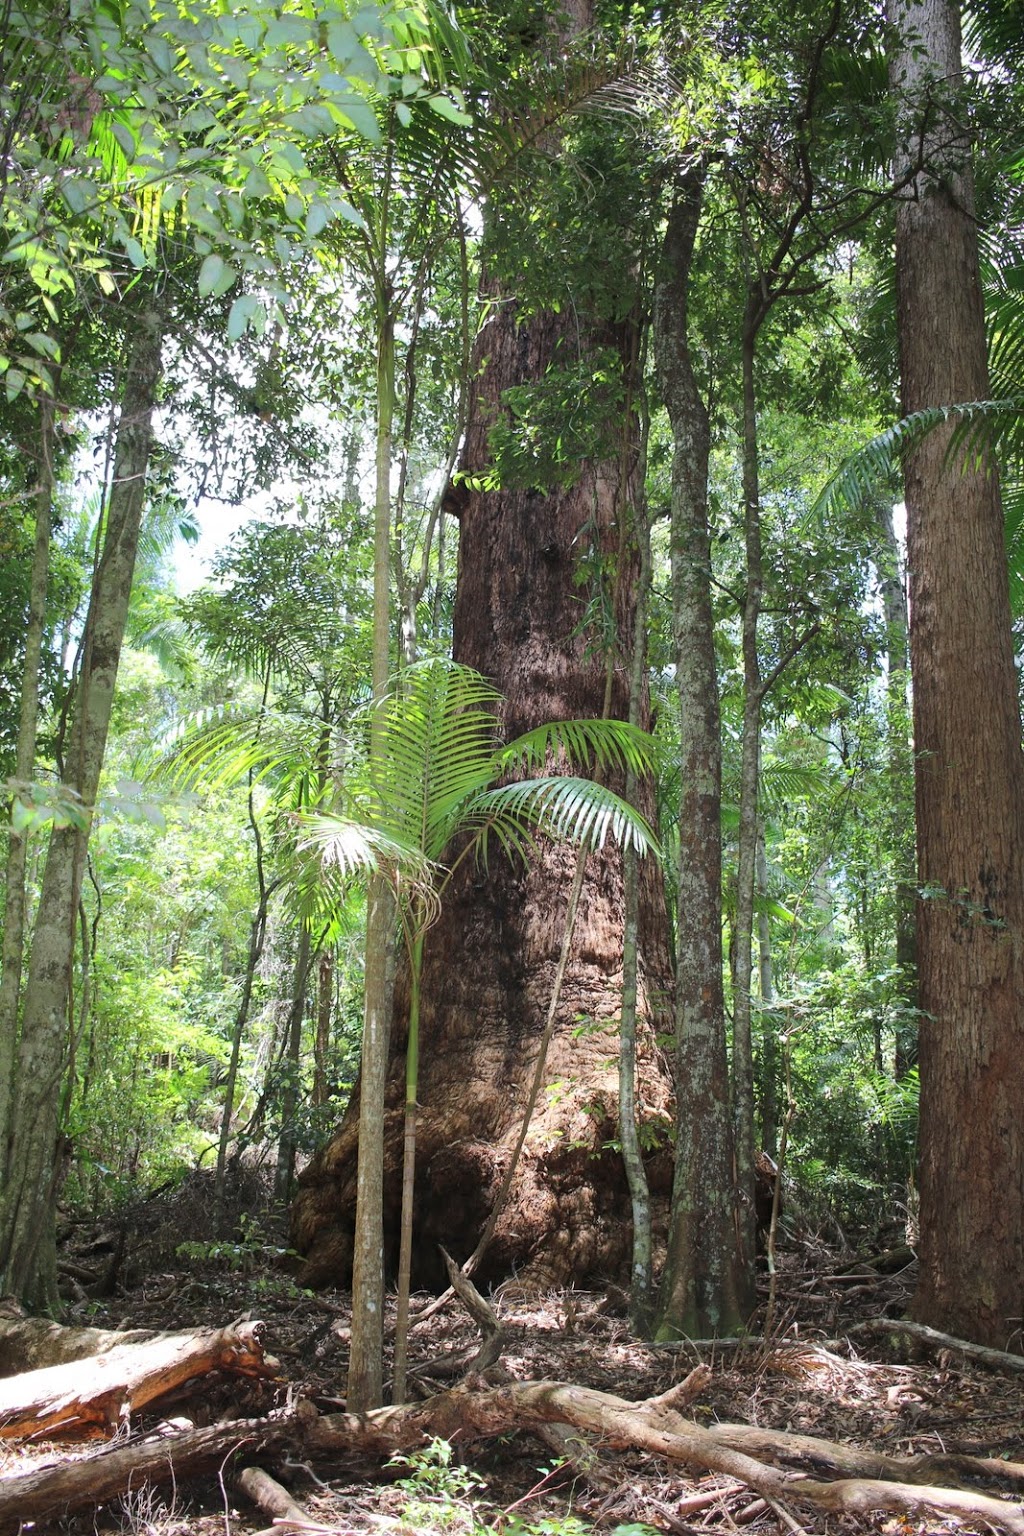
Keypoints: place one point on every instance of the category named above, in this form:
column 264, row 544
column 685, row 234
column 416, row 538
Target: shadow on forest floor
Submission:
column 819, row 1375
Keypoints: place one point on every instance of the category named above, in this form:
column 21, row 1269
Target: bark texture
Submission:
column 967, row 736
column 33, row 1155
column 701, row 1291
column 490, row 961
column 15, row 905
column 95, row 1395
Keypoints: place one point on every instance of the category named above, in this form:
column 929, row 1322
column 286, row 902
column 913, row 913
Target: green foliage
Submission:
column 549, row 429
column 437, row 777
column 143, row 120
column 446, row 1497
column 251, row 1252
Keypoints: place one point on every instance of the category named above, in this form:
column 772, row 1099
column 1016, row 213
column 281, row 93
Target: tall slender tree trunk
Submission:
column 901, row 772
column 750, row 773
column 702, row 1289
column 641, row 1273
column 967, row 732
column 257, row 939
column 366, row 1356
column 15, row 885
column 322, row 1042
column 284, row 1170
column 35, row 1161
column 770, row 1061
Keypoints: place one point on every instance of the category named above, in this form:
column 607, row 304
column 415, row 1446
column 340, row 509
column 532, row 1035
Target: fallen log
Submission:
column 269, row 1496
column 165, row 1456
column 32, row 1343
column 998, row 1359
column 470, row 1412
column 95, row 1395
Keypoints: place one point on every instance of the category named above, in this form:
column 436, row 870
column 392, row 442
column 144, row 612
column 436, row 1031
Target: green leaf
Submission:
column 160, row 53
column 210, row 274
column 342, row 42
column 241, row 314
column 445, row 107
column 354, row 111
column 124, row 136
column 317, row 220
column 256, row 184
column 285, row 31
column 78, row 193
column 47, row 346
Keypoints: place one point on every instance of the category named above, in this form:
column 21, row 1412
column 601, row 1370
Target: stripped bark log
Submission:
column 478, row 1413
column 93, row 1396
column 269, row 1496
column 32, row 1343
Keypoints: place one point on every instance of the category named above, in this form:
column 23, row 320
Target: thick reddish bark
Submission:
column 490, row 961
column 967, row 737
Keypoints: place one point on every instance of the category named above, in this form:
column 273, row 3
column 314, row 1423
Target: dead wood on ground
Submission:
column 998, row 1359
column 274, row 1500
column 93, row 1396
column 32, row 1343
column 778, row 1472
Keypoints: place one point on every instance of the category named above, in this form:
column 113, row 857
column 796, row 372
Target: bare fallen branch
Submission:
column 998, row 1359
column 776, row 1474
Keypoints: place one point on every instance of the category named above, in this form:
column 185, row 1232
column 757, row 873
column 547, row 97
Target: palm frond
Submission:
column 606, row 743
column 346, row 849
column 570, row 809
column 982, row 426
column 782, row 783
column 438, row 728
column 221, row 747
column 358, row 847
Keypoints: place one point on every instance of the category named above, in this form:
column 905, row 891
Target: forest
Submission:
column 510, row 732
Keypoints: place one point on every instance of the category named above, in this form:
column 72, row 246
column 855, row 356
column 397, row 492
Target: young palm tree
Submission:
column 445, row 787
column 440, row 789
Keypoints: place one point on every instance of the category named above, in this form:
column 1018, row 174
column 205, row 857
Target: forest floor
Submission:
column 821, row 1373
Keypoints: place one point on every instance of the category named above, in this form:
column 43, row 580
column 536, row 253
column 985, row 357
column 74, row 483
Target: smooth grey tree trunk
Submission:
column 766, row 995
column 750, row 774
column 284, row 1170
column 35, row 1154
column 901, row 769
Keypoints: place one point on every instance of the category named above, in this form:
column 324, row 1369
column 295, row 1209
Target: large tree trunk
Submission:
column 967, row 736
column 34, row 1156
column 489, row 963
